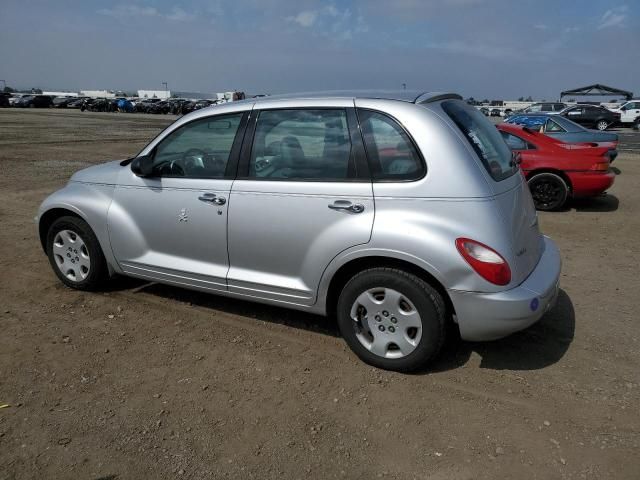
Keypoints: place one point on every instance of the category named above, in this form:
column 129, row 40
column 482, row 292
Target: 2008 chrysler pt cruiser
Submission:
column 397, row 213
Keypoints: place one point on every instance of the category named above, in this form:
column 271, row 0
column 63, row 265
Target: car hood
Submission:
column 106, row 173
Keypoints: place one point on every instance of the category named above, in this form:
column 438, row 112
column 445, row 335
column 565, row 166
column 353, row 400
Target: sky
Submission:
column 492, row 49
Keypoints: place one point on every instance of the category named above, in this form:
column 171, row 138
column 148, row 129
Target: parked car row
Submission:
column 175, row 106
column 592, row 116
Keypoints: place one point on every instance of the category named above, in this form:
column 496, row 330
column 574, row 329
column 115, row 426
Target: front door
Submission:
column 172, row 226
column 303, row 196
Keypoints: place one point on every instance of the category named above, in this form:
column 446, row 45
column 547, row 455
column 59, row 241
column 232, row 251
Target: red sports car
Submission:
column 556, row 170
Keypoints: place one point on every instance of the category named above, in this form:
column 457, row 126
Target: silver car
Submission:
column 396, row 213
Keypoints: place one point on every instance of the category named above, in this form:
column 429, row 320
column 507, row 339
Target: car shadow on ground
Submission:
column 539, row 346
column 244, row 308
column 601, row 203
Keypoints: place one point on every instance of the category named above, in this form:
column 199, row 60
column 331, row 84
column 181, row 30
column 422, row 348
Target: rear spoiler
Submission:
column 435, row 97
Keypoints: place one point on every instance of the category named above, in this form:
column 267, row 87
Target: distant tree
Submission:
column 486, row 100
column 8, row 90
column 529, row 99
column 36, row 91
column 521, row 99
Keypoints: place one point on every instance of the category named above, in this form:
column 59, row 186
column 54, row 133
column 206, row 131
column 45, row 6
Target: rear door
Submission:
column 302, row 196
column 577, row 114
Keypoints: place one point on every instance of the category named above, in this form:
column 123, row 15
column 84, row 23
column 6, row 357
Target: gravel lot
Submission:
column 148, row 381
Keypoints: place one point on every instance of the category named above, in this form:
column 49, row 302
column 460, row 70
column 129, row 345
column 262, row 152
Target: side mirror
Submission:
column 142, row 166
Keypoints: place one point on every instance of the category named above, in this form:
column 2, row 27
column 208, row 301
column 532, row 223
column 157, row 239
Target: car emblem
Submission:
column 183, row 217
column 519, row 253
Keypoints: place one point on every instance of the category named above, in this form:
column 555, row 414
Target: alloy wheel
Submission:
column 546, row 193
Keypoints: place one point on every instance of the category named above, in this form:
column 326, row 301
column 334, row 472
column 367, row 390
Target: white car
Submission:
column 628, row 111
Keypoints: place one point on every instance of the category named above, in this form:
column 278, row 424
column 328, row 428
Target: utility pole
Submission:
column 4, row 85
column 166, row 89
column 404, row 86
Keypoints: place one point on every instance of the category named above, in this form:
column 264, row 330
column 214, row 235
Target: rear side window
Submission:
column 485, row 139
column 392, row 155
column 515, row 143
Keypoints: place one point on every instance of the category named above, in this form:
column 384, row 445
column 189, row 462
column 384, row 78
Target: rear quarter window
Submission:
column 485, row 139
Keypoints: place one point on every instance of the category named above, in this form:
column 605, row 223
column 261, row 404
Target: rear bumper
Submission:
column 589, row 184
column 489, row 316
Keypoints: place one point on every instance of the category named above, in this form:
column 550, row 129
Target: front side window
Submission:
column 547, row 108
column 199, row 149
column 392, row 155
column 484, row 138
column 302, row 144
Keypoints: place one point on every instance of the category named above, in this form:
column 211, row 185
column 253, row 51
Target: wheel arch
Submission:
column 354, row 266
column 50, row 216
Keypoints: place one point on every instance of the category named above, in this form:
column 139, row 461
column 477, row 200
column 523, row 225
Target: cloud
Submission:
column 541, row 26
column 179, row 15
column 614, row 17
column 124, row 12
column 305, row 19
column 330, row 21
column 573, row 29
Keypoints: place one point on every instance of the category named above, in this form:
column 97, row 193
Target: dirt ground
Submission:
column 147, row 381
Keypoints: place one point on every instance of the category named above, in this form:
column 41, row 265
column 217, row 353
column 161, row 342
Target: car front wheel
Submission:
column 602, row 125
column 75, row 254
column 549, row 191
column 392, row 319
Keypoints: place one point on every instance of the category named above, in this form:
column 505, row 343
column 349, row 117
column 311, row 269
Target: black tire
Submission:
column 427, row 301
column 98, row 272
column 602, row 125
column 549, row 191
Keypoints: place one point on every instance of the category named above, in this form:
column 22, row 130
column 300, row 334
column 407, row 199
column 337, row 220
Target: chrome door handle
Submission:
column 212, row 198
column 346, row 205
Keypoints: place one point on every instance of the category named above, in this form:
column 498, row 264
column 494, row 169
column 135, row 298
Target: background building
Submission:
column 163, row 94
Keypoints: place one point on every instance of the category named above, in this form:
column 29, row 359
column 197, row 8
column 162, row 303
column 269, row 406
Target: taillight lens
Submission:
column 600, row 166
column 485, row 261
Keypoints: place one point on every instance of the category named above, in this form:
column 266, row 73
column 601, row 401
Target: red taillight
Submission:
column 485, row 261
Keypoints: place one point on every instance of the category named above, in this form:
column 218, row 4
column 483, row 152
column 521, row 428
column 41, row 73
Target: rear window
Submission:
column 484, row 138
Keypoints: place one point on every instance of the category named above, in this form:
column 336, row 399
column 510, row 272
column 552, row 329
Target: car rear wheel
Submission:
column 75, row 254
column 549, row 191
column 392, row 319
column 602, row 125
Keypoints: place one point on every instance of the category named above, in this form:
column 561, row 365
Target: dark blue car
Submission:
column 561, row 128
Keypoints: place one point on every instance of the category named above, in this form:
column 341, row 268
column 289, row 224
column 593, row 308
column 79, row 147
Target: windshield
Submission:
column 484, row 138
